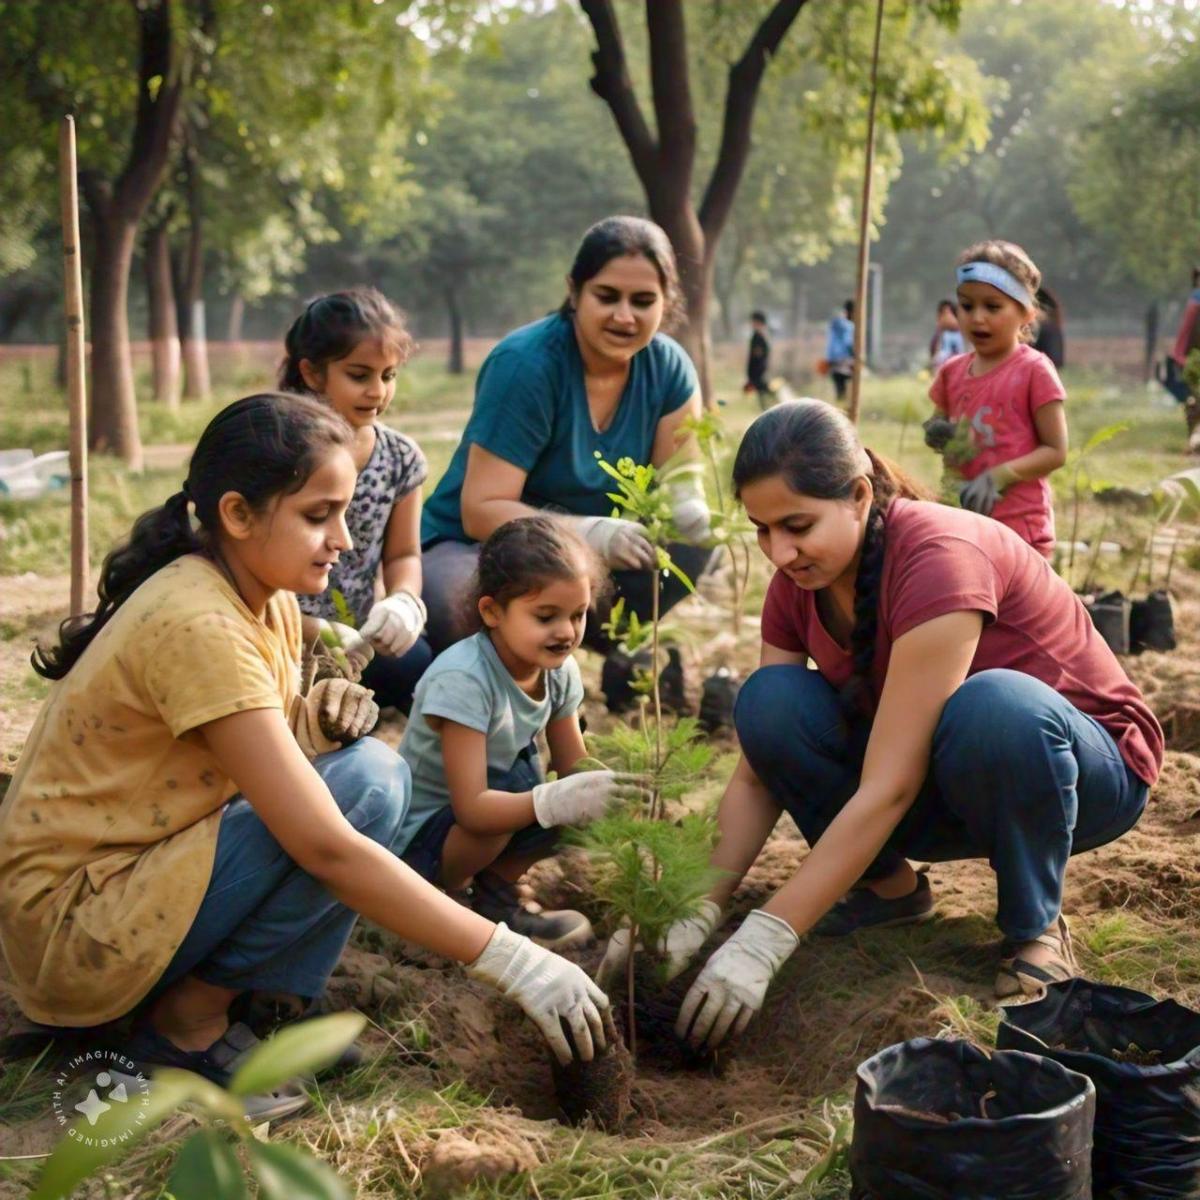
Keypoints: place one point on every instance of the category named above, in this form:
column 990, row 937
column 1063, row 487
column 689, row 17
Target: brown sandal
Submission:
column 1019, row 977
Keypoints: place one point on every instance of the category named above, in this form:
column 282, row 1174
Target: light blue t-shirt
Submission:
column 531, row 410
column 839, row 346
column 470, row 685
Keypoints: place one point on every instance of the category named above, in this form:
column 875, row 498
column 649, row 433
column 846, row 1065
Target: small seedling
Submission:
column 1078, row 468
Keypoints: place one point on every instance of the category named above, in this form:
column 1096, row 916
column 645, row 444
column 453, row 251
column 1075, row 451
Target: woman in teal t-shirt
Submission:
column 594, row 376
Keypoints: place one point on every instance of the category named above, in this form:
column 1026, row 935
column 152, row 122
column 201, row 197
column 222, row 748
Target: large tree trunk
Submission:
column 164, row 324
column 454, row 364
column 112, row 425
column 196, row 384
column 237, row 317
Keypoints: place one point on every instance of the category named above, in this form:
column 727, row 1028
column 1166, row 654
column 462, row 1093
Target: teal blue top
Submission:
column 531, row 410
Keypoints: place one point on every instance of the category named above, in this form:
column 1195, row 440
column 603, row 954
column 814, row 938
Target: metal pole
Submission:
column 864, row 225
column 76, row 384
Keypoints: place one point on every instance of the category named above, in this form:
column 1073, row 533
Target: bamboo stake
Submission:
column 864, row 225
column 76, row 384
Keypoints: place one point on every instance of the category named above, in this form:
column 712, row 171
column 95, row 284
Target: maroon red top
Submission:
column 940, row 560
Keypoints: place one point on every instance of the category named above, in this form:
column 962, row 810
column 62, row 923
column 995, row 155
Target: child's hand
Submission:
column 938, row 431
column 552, row 991
column 584, row 796
column 335, row 713
column 394, row 623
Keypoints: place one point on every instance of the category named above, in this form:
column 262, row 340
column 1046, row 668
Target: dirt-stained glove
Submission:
column 678, row 945
column 734, row 982
column 394, row 623
column 335, row 713
column 551, row 991
column 622, row 544
column 982, row 493
column 354, row 646
column 580, row 798
column 938, row 431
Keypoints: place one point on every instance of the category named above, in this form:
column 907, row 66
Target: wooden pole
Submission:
column 76, row 383
column 864, row 225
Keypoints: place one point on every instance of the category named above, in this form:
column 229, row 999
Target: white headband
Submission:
column 998, row 277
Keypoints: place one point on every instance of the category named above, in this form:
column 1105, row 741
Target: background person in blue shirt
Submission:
column 595, row 376
column 839, row 348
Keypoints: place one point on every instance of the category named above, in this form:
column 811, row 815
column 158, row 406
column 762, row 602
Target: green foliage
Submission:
column 630, row 633
column 674, row 757
column 1191, row 372
column 207, row 1165
column 650, row 873
column 343, row 611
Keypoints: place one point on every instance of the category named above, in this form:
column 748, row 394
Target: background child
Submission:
column 480, row 808
column 165, row 843
column 839, row 349
column 758, row 361
column 346, row 348
column 1004, row 394
column 947, row 338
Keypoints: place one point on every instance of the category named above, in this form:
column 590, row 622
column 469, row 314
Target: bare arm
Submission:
column 927, row 666
column 491, row 493
column 566, row 744
column 747, row 813
column 258, row 752
column 478, row 808
column 671, row 439
column 402, row 546
column 1051, row 423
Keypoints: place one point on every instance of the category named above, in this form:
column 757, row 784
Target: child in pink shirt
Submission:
column 1005, row 396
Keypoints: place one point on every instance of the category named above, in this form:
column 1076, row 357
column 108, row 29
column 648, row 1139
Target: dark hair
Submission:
column 1017, row 263
column 525, row 554
column 817, row 451
column 332, row 325
column 261, row 447
column 945, row 304
column 617, row 236
column 848, row 308
column 759, row 315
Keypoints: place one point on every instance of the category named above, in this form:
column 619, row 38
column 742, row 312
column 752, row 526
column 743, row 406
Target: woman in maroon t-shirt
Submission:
column 963, row 706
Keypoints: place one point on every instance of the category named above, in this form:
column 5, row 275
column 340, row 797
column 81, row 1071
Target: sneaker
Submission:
column 717, row 699
column 863, row 909
column 1018, row 977
column 496, row 899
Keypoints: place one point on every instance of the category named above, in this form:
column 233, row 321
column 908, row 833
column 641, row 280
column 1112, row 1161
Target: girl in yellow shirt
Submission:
column 180, row 830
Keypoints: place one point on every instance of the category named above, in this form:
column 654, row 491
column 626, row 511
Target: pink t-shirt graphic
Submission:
column 1000, row 407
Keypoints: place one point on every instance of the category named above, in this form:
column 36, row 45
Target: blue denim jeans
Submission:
column 1018, row 775
column 424, row 852
column 267, row 925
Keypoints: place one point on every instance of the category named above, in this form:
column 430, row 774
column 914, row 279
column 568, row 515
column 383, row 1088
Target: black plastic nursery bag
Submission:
column 1144, row 1057
column 944, row 1120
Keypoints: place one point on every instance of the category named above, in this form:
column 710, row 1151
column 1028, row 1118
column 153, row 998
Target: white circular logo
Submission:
column 97, row 1082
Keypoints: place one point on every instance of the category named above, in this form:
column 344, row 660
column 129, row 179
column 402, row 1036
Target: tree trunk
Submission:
column 164, row 324
column 798, row 308
column 454, row 364
column 113, row 427
column 237, row 317
column 196, row 385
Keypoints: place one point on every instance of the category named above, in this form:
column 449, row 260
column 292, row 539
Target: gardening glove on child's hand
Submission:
column 551, row 990
column 622, row 544
column 938, row 431
column 354, row 646
column 678, row 946
column 581, row 798
column 734, row 982
column 335, row 713
column 689, row 509
column 981, row 493
column 394, row 623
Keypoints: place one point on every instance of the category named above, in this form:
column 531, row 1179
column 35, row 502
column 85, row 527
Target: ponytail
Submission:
column 260, row 447
column 816, row 450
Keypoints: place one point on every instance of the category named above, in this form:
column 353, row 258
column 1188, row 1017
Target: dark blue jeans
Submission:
column 1017, row 775
column 266, row 925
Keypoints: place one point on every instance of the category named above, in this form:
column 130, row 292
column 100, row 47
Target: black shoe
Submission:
column 617, row 678
column 497, row 899
column 267, row 1012
column 863, row 909
column 672, row 684
column 219, row 1063
column 717, row 699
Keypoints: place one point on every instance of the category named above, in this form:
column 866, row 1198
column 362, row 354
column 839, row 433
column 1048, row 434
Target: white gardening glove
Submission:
column 357, row 649
column 689, row 509
column 734, row 982
column 678, row 945
column 548, row 988
column 334, row 713
column 394, row 623
column 581, row 798
column 622, row 544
